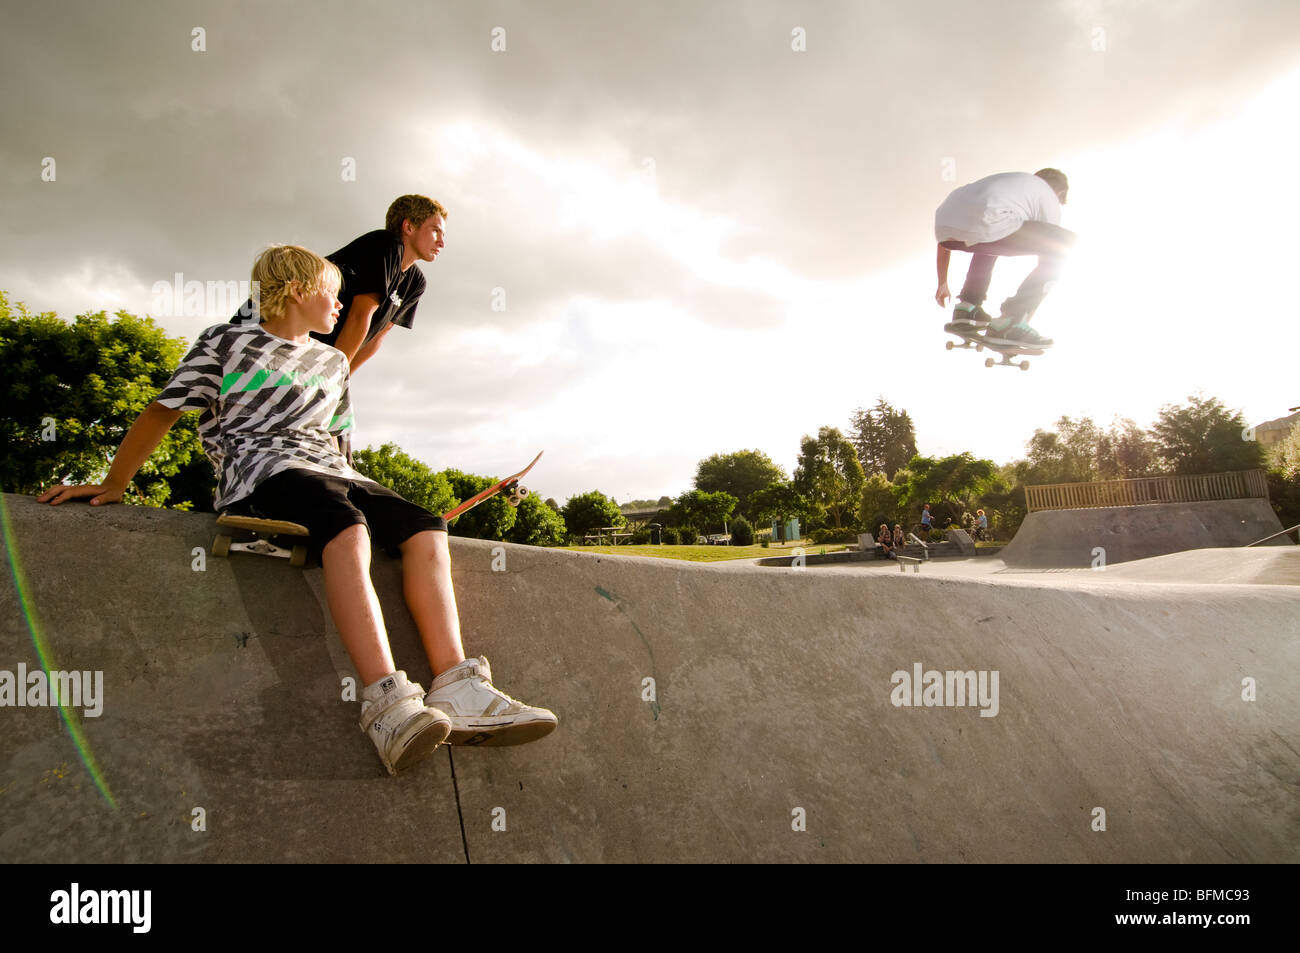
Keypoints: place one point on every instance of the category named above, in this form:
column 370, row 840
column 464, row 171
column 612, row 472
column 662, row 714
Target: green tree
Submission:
column 951, row 480
column 72, row 390
column 1067, row 455
column 742, row 474
column 829, row 475
column 778, row 501
column 1284, row 477
column 1003, row 501
column 536, row 524
column 1125, row 451
column 588, row 511
column 742, row 533
column 705, row 512
column 1203, row 437
column 879, row 503
column 1284, row 456
column 491, row 519
column 406, row 476
column 884, row 438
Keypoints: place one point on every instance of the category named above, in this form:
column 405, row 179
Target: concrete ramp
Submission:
column 1256, row 566
column 1069, row 538
column 706, row 714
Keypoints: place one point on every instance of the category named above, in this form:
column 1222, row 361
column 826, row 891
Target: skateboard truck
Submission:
column 973, row 339
column 509, row 485
column 256, row 535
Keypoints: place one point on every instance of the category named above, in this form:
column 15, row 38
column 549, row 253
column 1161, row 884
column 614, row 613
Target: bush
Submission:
column 742, row 534
column 687, row 535
column 670, row 537
column 640, row 537
column 832, row 535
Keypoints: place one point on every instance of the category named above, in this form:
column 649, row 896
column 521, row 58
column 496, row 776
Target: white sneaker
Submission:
column 402, row 727
column 482, row 715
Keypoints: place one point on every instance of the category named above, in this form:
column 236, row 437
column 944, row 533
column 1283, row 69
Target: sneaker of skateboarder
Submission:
column 271, row 401
column 1008, row 214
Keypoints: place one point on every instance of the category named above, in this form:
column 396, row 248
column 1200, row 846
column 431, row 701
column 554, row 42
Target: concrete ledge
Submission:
column 702, row 710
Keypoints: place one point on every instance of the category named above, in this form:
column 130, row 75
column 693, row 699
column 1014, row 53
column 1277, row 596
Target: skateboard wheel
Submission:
column 978, row 348
column 522, row 492
column 1024, row 365
column 989, row 362
column 949, row 345
column 299, row 557
column 221, row 546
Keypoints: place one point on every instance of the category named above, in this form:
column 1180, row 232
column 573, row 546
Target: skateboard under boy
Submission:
column 972, row 338
column 237, row 532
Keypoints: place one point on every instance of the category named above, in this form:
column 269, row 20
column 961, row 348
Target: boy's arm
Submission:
column 369, row 348
column 140, row 441
column 941, row 264
column 356, row 324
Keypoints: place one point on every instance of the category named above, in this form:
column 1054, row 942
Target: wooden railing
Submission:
column 1237, row 485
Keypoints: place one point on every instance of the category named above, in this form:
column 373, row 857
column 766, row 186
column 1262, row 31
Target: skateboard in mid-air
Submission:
column 972, row 338
column 509, row 485
column 238, row 533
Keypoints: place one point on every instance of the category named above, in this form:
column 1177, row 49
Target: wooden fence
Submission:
column 1237, row 485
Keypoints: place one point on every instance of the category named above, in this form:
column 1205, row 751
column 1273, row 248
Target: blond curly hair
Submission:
column 282, row 270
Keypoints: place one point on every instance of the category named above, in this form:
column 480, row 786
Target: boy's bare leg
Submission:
column 393, row 712
column 354, row 604
column 480, row 713
column 426, row 582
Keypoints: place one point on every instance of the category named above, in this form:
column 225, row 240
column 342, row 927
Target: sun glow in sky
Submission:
column 1174, row 288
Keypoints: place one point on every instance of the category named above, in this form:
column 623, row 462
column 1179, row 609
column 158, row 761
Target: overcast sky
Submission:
column 707, row 239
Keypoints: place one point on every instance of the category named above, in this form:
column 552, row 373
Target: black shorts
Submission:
column 327, row 505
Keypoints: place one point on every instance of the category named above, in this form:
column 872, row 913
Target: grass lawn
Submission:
column 706, row 554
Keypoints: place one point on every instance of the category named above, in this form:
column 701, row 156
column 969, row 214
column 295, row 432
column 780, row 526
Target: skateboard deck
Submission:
column 509, row 484
column 251, row 534
column 976, row 340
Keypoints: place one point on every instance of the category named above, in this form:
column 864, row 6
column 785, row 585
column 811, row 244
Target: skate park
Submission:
column 1144, row 713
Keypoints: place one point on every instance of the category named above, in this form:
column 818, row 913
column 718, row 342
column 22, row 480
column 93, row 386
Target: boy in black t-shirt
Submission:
column 380, row 287
column 272, row 399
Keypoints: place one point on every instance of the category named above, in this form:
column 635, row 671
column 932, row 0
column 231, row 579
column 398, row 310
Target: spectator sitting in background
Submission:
column 900, row 538
column 886, row 541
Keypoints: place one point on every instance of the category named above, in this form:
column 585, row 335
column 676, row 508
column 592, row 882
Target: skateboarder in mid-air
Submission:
column 271, row 400
column 1011, row 214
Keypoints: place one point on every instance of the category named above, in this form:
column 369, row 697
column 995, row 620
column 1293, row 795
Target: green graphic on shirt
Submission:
column 260, row 380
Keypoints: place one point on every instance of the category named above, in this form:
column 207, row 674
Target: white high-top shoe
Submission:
column 480, row 713
column 402, row 727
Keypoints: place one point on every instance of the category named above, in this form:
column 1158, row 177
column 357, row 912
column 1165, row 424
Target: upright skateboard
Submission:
column 251, row 534
column 975, row 339
column 510, row 484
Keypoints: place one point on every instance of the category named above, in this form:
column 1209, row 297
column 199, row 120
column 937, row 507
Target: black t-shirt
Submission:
column 371, row 265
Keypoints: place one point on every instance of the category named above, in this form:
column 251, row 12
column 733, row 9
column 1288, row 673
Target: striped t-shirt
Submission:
column 266, row 404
